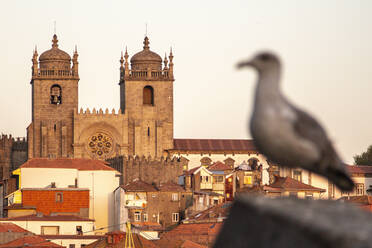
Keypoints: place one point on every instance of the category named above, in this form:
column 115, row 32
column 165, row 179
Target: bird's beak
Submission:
column 244, row 64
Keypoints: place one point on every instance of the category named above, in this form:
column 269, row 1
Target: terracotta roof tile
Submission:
column 190, row 244
column 171, row 187
column 71, row 236
column 213, row 145
column 138, row 186
column 30, row 241
column 10, row 227
column 359, row 169
column 217, row 211
column 47, row 218
column 68, row 163
column 287, row 183
column 191, row 172
column 193, row 232
column 361, row 200
column 219, row 166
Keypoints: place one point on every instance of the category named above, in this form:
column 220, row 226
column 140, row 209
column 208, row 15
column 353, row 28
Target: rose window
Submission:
column 100, row 145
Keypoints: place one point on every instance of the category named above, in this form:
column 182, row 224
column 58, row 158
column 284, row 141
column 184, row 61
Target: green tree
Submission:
column 365, row 158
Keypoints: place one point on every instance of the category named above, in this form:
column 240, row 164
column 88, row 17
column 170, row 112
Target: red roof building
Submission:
column 200, row 233
column 213, row 145
column 286, row 186
column 30, row 241
column 68, row 163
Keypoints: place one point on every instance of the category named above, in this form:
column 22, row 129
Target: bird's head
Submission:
column 262, row 62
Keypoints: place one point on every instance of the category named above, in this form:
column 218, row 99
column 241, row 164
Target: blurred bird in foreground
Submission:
column 287, row 135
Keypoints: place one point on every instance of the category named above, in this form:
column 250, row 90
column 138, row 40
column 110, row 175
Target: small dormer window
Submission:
column 56, row 94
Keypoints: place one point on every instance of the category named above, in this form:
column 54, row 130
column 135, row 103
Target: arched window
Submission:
column 56, row 94
column 253, row 163
column 148, row 95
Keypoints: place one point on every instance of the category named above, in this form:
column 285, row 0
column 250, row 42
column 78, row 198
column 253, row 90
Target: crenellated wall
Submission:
column 100, row 134
column 148, row 169
column 13, row 153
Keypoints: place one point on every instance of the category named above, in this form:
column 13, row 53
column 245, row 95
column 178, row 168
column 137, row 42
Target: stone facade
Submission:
column 152, row 171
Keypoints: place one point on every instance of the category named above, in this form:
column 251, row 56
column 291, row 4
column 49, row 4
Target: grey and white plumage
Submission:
column 287, row 135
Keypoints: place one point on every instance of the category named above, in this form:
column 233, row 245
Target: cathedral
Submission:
column 141, row 127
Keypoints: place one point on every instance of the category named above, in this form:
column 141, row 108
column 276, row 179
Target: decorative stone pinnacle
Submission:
column 126, row 53
column 146, row 43
column 165, row 61
column 121, row 59
column 55, row 41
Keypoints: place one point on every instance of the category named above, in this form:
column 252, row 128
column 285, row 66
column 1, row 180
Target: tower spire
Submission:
column 121, row 60
column 165, row 62
column 146, row 43
column 55, row 41
column 171, row 63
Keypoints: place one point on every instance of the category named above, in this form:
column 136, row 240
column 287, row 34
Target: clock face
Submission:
column 100, row 145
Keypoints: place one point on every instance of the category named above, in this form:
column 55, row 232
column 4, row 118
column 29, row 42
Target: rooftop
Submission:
column 139, row 186
column 219, row 166
column 214, row 145
column 68, row 163
column 46, row 218
column 287, row 183
column 30, row 241
column 171, row 187
column 360, row 169
column 10, row 227
column 211, row 214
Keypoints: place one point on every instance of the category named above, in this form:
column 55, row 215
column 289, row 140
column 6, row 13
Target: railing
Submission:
column 54, row 73
column 157, row 75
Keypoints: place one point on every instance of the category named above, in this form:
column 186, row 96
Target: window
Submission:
column 175, row 197
column 297, row 175
column 293, row 194
column 49, row 230
column 59, row 197
column 148, row 95
column 359, row 188
column 79, row 230
column 145, row 217
column 218, row 179
column 247, row 179
column 56, row 94
column 309, row 196
column 71, row 246
column 137, row 216
column 175, row 217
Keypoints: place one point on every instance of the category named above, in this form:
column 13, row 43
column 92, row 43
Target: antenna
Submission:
column 146, row 29
column 55, row 27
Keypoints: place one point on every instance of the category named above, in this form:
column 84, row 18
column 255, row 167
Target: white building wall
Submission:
column 101, row 185
column 194, row 161
column 121, row 212
column 65, row 227
column 42, row 177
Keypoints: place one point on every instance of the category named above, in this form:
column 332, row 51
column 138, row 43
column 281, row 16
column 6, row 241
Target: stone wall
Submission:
column 13, row 153
column 149, row 170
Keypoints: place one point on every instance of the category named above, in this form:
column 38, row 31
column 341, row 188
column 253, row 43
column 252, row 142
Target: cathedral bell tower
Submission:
column 54, row 98
column 146, row 96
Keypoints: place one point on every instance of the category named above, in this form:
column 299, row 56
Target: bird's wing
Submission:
column 330, row 164
column 308, row 128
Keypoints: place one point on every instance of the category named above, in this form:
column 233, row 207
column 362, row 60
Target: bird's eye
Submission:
column 265, row 57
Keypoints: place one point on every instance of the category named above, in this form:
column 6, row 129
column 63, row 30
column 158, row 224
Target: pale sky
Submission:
column 325, row 46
